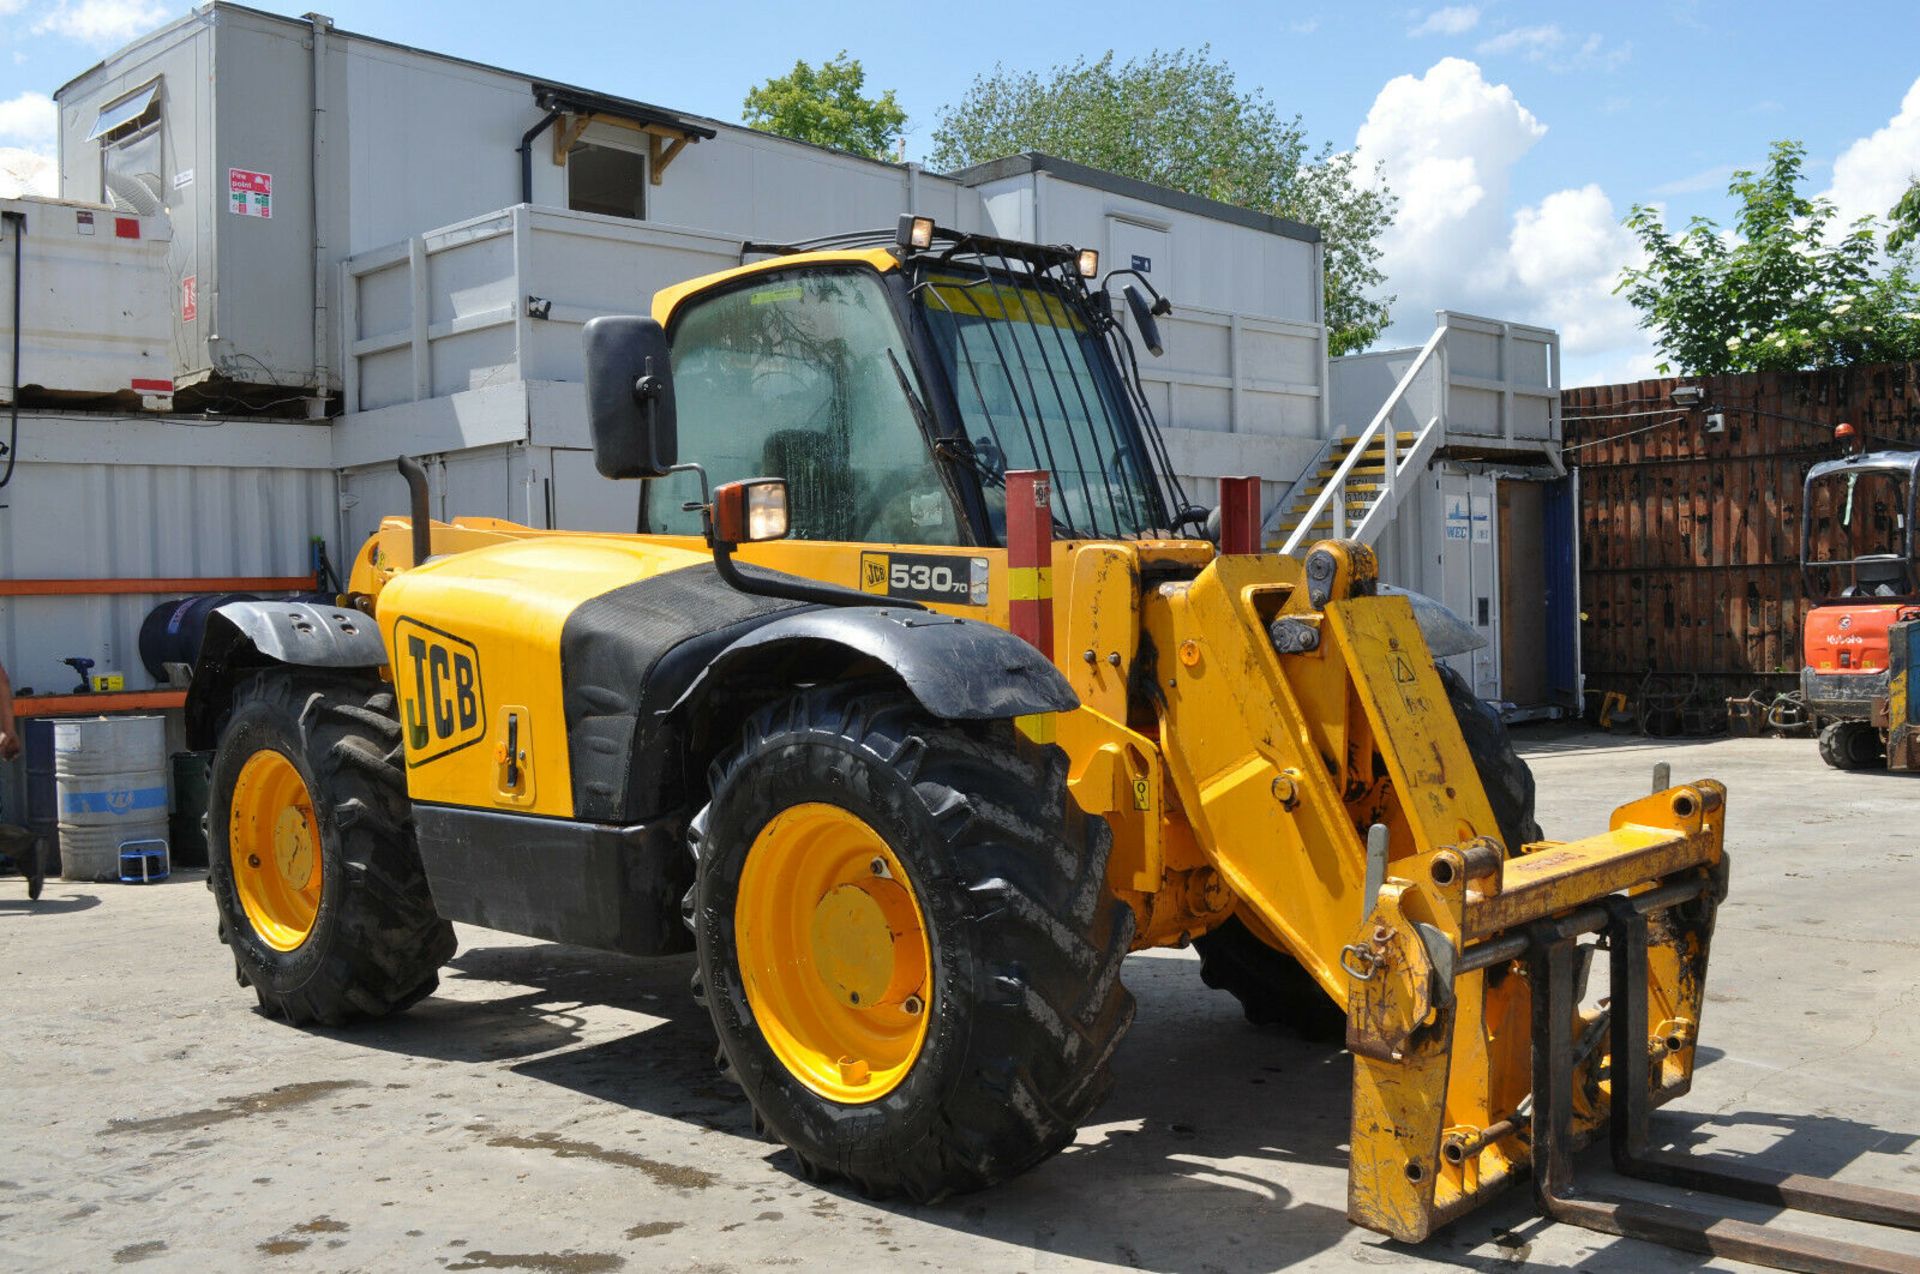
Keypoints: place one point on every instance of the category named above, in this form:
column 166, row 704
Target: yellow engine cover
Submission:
column 475, row 644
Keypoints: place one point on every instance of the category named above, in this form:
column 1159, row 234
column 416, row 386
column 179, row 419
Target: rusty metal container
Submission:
column 1690, row 526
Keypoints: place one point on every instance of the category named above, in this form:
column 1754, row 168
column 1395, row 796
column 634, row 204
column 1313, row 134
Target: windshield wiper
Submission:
column 921, row 416
column 951, row 450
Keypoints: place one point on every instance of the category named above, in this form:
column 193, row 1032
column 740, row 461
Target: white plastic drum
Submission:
column 110, row 784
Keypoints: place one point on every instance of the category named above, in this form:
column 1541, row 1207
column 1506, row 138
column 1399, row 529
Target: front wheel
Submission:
column 906, row 942
column 319, row 888
column 1852, row 744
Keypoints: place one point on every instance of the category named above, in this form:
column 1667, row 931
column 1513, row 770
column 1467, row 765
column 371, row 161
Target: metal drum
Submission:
column 110, row 781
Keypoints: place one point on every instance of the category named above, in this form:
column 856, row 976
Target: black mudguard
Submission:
column 242, row 636
column 958, row 669
column 659, row 675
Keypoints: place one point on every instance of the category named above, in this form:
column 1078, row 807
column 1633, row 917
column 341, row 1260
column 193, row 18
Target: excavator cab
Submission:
column 1861, row 563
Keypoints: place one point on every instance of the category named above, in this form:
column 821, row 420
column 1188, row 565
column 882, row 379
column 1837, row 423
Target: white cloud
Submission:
column 27, row 172
column 31, row 118
column 1448, row 142
column 1306, row 26
column 103, row 22
column 1874, row 172
column 1551, row 46
column 1566, row 253
column 1533, row 43
column 1714, row 178
column 1454, row 19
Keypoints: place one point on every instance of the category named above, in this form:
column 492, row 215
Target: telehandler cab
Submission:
column 919, row 699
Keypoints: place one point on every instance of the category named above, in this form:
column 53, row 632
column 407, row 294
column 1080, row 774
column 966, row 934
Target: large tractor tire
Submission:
column 1270, row 984
column 906, row 942
column 1507, row 778
column 1852, row 745
column 312, row 866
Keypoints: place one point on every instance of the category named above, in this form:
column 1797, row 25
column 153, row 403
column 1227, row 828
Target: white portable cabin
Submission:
column 308, row 169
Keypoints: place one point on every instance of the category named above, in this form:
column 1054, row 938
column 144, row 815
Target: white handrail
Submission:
column 1424, row 445
column 1337, row 484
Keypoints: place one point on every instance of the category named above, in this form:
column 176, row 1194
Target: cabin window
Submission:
column 128, row 130
column 607, row 180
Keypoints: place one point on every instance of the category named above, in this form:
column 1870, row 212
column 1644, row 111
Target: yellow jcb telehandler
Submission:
column 920, row 697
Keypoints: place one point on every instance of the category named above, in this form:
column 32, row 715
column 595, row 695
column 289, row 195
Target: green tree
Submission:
column 825, row 105
column 1780, row 290
column 1179, row 119
column 1905, row 219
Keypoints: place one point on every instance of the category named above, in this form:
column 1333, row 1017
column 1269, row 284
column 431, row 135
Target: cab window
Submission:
column 798, row 376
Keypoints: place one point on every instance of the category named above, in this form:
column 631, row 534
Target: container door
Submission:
column 1469, row 572
column 1523, row 594
column 1560, row 537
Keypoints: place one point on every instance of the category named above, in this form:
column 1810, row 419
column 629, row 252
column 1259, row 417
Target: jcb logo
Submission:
column 441, row 699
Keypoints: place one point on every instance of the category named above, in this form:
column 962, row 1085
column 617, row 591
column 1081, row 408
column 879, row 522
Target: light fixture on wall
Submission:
column 1688, row 395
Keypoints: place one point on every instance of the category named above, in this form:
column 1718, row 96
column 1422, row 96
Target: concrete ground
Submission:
column 555, row 1110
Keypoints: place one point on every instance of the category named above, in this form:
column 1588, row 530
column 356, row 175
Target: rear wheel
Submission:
column 906, row 942
column 1852, row 745
column 320, row 891
column 1270, row 984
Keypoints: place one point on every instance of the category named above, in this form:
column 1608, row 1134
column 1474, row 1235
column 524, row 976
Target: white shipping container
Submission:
column 94, row 298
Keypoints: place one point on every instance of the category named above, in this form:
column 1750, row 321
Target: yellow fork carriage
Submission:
column 1479, row 1001
column 1474, row 1058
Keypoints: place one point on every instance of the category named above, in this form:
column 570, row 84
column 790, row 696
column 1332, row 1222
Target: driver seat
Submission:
column 820, row 482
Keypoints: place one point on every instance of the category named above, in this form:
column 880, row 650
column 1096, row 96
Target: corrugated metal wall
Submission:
column 1689, row 540
column 105, row 497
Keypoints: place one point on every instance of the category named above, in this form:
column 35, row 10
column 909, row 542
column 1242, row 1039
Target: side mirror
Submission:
column 1144, row 320
column 630, row 397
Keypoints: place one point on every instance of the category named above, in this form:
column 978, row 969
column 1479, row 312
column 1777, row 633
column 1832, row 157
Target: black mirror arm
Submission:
column 1161, row 306
column 646, row 394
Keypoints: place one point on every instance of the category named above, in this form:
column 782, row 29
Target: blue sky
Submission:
column 1516, row 134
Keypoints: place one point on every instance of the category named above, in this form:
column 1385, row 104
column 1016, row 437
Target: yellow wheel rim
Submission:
column 833, row 952
column 274, row 843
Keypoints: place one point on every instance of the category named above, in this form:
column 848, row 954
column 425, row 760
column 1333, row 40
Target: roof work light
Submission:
column 914, row 232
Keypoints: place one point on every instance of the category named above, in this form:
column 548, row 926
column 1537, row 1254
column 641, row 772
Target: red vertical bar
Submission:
column 1030, row 557
column 1239, row 515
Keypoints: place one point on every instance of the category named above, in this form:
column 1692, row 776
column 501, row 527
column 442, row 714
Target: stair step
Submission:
column 1300, row 511
column 1300, row 507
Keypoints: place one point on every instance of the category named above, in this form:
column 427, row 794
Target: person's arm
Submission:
column 9, row 728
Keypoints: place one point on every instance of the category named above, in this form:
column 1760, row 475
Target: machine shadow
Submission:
column 1208, row 1117
column 46, row 906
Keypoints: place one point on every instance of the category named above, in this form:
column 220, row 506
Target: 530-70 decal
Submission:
column 442, row 702
column 925, row 577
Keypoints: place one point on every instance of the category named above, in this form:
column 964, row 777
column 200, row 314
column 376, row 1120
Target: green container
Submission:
column 186, row 828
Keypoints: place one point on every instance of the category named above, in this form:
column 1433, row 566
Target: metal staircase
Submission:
column 1355, row 484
